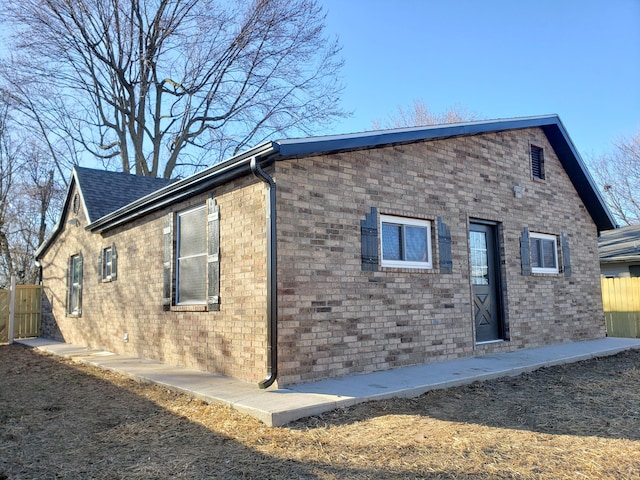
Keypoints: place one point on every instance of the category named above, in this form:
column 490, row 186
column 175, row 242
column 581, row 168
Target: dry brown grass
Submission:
column 59, row 419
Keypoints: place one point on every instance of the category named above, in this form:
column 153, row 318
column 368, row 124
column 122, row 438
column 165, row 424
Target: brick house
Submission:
column 312, row 258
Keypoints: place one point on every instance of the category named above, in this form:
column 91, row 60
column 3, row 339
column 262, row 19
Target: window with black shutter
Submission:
column 108, row 264
column 191, row 267
column 537, row 162
column 192, row 257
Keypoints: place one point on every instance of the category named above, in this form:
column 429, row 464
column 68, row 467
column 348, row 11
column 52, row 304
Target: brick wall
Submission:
column 231, row 341
column 336, row 319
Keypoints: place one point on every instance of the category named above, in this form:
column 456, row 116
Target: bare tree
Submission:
column 419, row 114
column 30, row 198
column 160, row 84
column 8, row 160
column 618, row 176
column 41, row 119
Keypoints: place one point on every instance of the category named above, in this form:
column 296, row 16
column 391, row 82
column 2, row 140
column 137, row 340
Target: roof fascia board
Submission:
column 182, row 189
column 622, row 259
column 579, row 174
column 335, row 143
column 74, row 173
column 57, row 228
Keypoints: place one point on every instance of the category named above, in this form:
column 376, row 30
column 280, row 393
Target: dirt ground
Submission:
column 64, row 420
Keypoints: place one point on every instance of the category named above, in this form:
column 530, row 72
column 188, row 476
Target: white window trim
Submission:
column 178, row 259
column 75, row 285
column 411, row 222
column 554, row 239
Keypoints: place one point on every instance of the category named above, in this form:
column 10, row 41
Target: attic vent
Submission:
column 537, row 162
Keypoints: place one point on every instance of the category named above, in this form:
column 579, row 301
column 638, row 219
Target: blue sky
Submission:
column 579, row 59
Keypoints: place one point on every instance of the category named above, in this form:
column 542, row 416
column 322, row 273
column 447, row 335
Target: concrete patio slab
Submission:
column 277, row 407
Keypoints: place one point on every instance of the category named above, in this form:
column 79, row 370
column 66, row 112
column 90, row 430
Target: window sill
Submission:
column 189, row 308
column 407, row 269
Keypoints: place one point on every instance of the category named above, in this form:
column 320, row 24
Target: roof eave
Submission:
column 182, row 189
column 621, row 259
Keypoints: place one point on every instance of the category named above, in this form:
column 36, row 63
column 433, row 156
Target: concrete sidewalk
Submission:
column 277, row 407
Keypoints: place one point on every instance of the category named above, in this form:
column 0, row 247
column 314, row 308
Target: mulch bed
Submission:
column 64, row 420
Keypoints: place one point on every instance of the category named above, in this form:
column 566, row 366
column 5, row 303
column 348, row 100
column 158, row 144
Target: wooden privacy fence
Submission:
column 621, row 302
column 27, row 312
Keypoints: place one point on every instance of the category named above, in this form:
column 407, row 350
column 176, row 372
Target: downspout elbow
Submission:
column 272, row 283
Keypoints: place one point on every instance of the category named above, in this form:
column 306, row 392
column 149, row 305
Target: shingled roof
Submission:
column 620, row 245
column 104, row 192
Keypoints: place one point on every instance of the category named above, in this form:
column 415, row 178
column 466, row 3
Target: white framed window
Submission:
column 107, row 264
column 544, row 253
column 74, row 285
column 405, row 242
column 191, row 258
column 106, row 273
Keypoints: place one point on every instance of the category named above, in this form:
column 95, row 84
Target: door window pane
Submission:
column 479, row 258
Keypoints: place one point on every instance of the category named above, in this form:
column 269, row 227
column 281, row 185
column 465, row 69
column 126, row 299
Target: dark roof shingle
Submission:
column 105, row 192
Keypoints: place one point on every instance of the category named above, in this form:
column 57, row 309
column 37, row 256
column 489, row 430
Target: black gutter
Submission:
column 175, row 192
column 272, row 278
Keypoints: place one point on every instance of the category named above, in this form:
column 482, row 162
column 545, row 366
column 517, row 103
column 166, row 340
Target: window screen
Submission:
column 192, row 256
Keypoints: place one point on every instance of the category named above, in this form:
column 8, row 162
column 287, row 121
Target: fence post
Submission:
column 12, row 305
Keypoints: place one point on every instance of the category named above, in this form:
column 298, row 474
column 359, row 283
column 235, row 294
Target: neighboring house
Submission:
column 620, row 252
column 311, row 258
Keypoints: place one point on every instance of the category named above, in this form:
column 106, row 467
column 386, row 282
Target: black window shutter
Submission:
column 444, row 246
column 100, row 270
column 566, row 255
column 166, row 266
column 114, row 262
column 213, row 255
column 369, row 239
column 525, row 255
column 80, row 267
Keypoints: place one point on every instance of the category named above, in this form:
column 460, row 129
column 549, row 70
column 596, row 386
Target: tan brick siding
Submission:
column 336, row 319
column 231, row 341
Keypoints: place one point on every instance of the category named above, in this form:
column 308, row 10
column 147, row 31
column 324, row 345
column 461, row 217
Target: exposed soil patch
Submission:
column 60, row 419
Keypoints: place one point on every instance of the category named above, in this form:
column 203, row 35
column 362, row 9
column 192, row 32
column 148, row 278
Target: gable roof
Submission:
column 620, row 245
column 551, row 125
column 101, row 193
column 104, row 192
column 279, row 150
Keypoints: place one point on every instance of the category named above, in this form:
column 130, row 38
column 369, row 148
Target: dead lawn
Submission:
column 63, row 420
